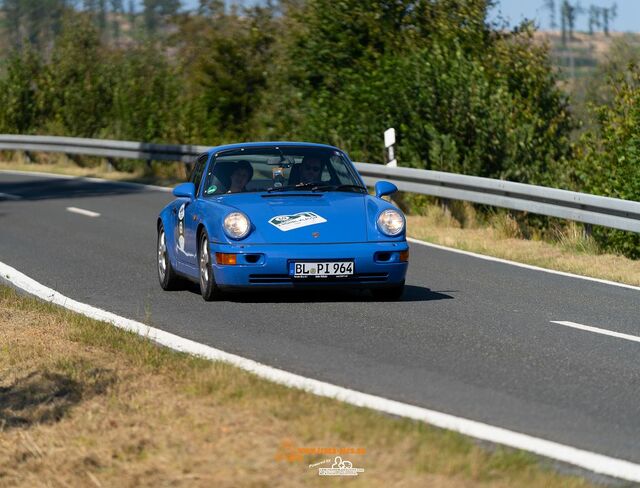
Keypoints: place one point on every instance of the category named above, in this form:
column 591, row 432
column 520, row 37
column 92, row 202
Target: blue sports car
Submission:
column 281, row 214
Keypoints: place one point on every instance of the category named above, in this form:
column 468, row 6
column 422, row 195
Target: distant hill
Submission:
column 584, row 52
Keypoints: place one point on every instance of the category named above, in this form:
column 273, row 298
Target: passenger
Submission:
column 241, row 174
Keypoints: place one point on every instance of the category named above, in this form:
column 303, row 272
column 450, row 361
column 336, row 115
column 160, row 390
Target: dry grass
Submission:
column 85, row 404
column 503, row 237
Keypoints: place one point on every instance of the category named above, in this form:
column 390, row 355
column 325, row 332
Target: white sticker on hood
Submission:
column 295, row 221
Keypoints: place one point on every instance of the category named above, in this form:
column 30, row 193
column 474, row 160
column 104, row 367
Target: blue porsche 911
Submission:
column 285, row 215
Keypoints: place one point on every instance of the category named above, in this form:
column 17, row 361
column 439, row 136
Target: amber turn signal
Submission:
column 224, row 258
column 404, row 256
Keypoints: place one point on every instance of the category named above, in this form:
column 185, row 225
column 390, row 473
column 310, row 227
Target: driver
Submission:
column 310, row 170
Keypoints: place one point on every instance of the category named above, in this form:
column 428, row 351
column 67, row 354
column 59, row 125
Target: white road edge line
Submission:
column 522, row 265
column 82, row 211
column 591, row 461
column 9, row 196
column 597, row 330
column 86, row 178
column 410, row 239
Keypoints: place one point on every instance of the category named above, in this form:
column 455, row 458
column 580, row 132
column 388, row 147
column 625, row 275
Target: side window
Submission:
column 198, row 169
column 213, row 182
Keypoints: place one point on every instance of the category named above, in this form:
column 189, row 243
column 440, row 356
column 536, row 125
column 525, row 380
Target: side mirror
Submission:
column 384, row 188
column 185, row 190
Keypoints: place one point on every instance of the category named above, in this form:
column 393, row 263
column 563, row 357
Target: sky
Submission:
column 628, row 19
column 513, row 11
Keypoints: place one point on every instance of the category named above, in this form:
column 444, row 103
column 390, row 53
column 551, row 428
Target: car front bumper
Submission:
column 376, row 264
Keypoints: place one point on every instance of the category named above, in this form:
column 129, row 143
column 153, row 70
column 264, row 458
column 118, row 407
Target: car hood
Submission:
column 321, row 217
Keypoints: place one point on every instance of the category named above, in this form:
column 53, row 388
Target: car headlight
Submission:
column 237, row 225
column 391, row 222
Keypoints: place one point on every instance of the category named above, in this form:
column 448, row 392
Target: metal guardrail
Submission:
column 571, row 205
column 580, row 207
column 101, row 147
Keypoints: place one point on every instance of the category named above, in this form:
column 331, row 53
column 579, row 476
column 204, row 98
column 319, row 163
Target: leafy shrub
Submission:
column 20, row 110
column 608, row 162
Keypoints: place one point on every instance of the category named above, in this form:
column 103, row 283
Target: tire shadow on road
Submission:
column 414, row 293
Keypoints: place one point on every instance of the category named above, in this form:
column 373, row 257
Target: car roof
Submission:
column 241, row 145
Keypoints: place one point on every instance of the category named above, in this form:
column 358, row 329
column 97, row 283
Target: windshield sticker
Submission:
column 295, row 221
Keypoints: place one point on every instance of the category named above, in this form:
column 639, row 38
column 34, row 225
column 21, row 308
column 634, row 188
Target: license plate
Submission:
column 322, row 269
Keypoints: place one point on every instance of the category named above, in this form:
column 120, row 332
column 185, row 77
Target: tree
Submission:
column 34, row 22
column 102, row 15
column 608, row 14
column 227, row 58
column 145, row 94
column 462, row 96
column 131, row 12
column 77, row 89
column 156, row 11
column 117, row 8
column 20, row 91
column 551, row 6
column 90, row 6
column 594, row 18
column 568, row 15
column 210, row 8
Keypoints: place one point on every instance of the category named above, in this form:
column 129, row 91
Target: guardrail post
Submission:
column 110, row 165
column 445, row 205
column 27, row 157
column 182, row 171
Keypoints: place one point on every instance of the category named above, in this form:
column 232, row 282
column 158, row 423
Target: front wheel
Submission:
column 169, row 279
column 208, row 287
column 389, row 294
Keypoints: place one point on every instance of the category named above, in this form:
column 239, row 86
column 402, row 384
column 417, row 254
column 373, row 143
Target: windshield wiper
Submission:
column 282, row 188
column 300, row 186
column 359, row 188
column 316, row 187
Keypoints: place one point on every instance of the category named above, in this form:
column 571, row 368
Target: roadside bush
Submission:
column 608, row 162
column 20, row 108
column 76, row 82
column 145, row 97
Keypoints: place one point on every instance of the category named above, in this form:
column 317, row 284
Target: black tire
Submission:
column 169, row 279
column 389, row 294
column 208, row 287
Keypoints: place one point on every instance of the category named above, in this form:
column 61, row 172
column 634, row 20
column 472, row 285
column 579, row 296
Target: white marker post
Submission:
column 390, row 147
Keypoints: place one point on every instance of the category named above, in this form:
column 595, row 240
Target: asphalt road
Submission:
column 471, row 337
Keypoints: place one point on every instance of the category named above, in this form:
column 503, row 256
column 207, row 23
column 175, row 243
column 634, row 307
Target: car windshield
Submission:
column 281, row 169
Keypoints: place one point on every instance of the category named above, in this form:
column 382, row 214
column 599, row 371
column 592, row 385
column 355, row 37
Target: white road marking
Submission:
column 522, row 265
column 591, row 461
column 9, row 196
column 82, row 211
column 597, row 330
